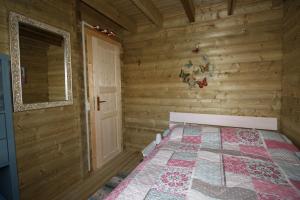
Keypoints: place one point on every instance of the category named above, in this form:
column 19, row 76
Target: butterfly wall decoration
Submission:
column 196, row 74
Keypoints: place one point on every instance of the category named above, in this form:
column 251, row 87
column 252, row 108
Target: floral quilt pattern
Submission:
column 204, row 162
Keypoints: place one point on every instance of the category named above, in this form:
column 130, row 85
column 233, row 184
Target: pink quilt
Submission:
column 202, row 162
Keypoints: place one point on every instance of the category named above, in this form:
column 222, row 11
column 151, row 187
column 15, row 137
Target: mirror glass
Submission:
column 40, row 63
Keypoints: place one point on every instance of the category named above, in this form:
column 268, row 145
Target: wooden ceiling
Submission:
column 130, row 14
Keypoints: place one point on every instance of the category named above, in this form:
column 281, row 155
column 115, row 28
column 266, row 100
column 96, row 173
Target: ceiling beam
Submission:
column 230, row 5
column 150, row 10
column 112, row 13
column 189, row 8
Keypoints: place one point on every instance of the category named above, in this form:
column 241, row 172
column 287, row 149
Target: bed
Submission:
column 196, row 161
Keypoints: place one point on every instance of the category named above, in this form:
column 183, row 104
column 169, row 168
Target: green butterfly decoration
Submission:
column 189, row 65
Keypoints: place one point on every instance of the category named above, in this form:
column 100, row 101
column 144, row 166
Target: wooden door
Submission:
column 105, row 97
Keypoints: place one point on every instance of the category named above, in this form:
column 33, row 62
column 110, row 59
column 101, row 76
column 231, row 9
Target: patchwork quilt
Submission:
column 204, row 162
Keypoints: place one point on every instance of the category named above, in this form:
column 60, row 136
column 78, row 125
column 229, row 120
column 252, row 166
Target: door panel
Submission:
column 110, row 146
column 111, row 102
column 104, row 55
column 105, row 95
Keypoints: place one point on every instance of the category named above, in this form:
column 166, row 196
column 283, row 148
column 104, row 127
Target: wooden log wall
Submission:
column 290, row 113
column 48, row 141
column 94, row 18
column 51, row 143
column 245, row 49
column 34, row 60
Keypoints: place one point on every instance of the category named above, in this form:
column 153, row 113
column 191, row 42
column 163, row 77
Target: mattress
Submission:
column 204, row 162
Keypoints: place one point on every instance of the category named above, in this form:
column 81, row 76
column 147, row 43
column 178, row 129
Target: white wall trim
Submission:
column 265, row 123
column 86, row 101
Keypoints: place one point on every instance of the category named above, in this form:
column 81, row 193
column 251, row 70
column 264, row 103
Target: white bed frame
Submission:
column 264, row 123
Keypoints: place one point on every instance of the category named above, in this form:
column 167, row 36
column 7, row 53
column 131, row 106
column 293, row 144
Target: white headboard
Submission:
column 225, row 120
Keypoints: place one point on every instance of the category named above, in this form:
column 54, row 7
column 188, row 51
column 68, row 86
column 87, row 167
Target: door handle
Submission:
column 98, row 103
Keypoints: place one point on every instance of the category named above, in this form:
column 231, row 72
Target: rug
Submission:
column 104, row 191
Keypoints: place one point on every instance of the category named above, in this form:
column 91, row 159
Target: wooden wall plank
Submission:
column 290, row 112
column 149, row 9
column 95, row 18
column 245, row 49
column 48, row 141
column 112, row 13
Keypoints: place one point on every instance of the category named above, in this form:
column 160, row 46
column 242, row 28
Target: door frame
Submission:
column 89, row 33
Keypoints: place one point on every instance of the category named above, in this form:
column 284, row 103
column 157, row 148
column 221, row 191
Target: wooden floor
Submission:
column 125, row 162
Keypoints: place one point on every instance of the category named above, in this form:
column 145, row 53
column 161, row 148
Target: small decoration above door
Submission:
column 196, row 73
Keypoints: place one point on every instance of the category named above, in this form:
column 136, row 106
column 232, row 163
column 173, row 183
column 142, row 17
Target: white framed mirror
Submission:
column 40, row 64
